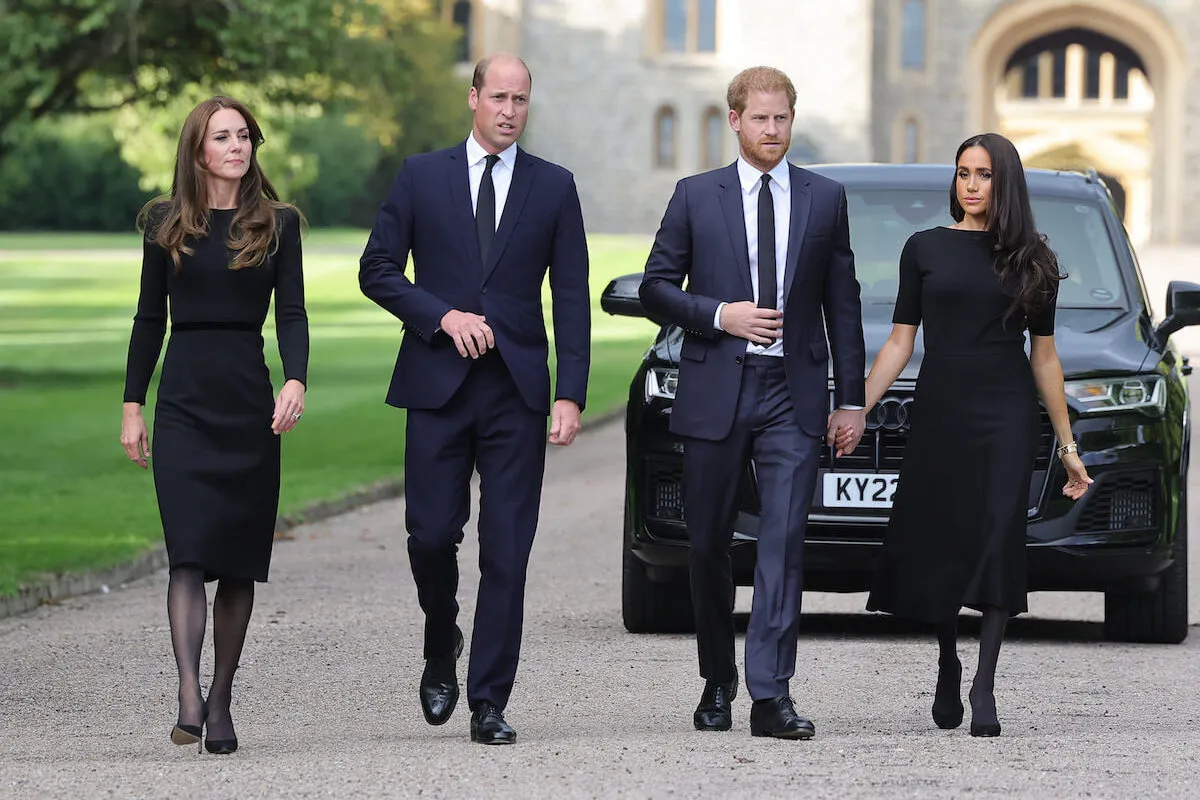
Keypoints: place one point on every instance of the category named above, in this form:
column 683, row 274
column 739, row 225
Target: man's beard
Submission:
column 759, row 152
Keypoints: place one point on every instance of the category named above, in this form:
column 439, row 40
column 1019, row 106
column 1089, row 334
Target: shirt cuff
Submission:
column 851, row 408
column 717, row 317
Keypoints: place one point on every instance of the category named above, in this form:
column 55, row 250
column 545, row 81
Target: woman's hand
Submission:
column 134, row 436
column 1077, row 477
column 289, row 405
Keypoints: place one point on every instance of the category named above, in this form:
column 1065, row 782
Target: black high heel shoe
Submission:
column 221, row 747
column 189, row 734
column 984, row 722
column 218, row 747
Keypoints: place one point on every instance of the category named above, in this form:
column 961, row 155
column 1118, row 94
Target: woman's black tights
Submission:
column 187, row 610
column 947, row 701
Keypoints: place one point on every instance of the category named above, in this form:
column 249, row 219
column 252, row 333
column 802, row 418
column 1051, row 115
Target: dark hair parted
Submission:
column 174, row 221
column 481, row 68
column 1025, row 264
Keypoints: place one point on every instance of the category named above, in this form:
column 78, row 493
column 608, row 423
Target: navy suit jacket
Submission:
column 428, row 212
column 703, row 239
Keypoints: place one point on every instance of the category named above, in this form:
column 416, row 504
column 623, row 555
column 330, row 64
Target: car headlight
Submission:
column 661, row 382
column 1147, row 394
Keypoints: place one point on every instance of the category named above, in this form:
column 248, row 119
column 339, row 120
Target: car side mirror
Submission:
column 621, row 298
column 1183, row 308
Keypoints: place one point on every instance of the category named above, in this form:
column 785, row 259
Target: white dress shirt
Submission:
column 781, row 193
column 501, row 173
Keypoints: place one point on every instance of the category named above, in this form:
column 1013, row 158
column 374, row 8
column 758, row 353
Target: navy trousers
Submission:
column 766, row 434
column 488, row 427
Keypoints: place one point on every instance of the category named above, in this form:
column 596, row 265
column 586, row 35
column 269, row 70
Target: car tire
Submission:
column 1160, row 616
column 652, row 605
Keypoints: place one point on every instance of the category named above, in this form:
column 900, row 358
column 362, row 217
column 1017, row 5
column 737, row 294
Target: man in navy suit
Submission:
column 765, row 249
column 484, row 222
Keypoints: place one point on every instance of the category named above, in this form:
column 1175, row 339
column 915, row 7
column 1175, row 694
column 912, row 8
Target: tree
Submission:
column 65, row 56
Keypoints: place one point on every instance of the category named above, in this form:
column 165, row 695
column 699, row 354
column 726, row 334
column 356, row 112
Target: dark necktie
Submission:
column 767, row 286
column 485, row 209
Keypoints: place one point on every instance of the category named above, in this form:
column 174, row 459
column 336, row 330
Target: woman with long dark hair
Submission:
column 217, row 248
column 957, row 531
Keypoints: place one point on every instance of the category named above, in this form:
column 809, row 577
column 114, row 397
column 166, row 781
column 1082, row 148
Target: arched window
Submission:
column 912, row 34
column 664, row 137
column 712, row 135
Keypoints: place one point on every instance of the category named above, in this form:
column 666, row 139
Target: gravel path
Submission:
column 326, row 698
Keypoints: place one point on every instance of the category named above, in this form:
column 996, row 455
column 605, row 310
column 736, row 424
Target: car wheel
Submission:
column 654, row 606
column 1160, row 616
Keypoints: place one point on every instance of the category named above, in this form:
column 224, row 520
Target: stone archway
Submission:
column 1131, row 22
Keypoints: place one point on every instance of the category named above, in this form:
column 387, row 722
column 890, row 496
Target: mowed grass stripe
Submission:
column 72, row 499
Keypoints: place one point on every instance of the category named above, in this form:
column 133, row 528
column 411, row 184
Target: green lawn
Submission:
column 73, row 501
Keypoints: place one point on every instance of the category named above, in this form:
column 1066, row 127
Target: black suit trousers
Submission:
column 487, row 426
column 767, row 435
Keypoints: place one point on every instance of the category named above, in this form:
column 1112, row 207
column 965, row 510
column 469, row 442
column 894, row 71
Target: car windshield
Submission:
column 881, row 220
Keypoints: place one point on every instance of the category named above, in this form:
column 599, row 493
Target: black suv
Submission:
column 1129, row 409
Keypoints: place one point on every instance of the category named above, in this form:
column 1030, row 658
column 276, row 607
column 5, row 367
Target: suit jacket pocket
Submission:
column 819, row 350
column 693, row 349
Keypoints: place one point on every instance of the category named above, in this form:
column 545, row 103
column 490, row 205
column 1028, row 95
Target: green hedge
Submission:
column 67, row 174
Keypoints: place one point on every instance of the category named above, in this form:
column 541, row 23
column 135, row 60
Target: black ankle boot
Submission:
column 947, row 698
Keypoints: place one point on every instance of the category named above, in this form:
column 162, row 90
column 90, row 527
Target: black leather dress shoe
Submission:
column 714, row 712
column 777, row 717
column 488, row 726
column 439, row 684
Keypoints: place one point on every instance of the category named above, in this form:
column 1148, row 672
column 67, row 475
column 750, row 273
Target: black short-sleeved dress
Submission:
column 957, row 531
column 215, row 458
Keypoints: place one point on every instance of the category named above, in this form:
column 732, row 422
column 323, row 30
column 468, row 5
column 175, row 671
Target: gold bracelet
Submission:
column 1069, row 447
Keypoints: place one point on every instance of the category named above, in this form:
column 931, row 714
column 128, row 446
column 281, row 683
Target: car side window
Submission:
column 1076, row 232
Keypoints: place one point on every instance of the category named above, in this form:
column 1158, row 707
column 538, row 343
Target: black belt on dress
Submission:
column 185, row 327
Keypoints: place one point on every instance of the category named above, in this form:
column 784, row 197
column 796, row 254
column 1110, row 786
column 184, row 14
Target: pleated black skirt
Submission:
column 216, row 460
column 957, row 531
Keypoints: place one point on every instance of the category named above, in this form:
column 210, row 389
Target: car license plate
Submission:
column 858, row 490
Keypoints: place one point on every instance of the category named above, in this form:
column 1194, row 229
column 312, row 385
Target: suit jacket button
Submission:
column 483, row 290
column 738, row 359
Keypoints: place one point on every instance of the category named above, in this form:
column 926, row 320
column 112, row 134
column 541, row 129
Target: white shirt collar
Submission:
column 476, row 153
column 749, row 175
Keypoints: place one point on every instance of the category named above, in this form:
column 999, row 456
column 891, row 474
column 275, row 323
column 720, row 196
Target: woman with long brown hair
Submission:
column 957, row 531
column 217, row 248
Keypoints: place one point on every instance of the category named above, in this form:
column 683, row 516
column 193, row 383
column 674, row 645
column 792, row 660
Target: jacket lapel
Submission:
column 514, row 204
column 735, row 222
column 801, row 203
column 460, row 200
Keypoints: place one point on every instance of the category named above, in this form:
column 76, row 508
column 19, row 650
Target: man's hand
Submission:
column 846, row 426
column 470, row 333
column 564, row 422
column 747, row 321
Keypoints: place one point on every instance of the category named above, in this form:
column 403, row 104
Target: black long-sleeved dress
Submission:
column 215, row 458
column 957, row 531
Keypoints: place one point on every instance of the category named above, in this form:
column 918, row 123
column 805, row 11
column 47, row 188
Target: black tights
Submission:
column 187, row 610
column 983, row 702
